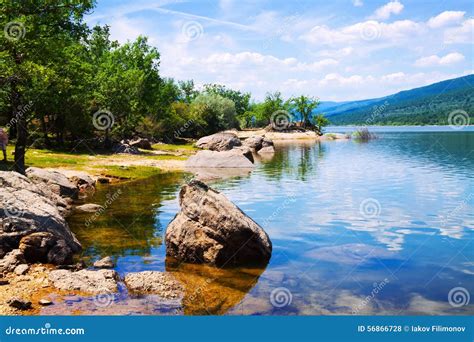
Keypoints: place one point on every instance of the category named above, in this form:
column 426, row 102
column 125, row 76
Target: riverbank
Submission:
column 162, row 158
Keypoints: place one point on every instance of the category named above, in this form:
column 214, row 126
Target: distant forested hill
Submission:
column 429, row 105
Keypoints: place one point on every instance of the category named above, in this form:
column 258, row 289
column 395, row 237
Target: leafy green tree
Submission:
column 241, row 100
column 36, row 33
column 217, row 111
column 304, row 106
column 320, row 121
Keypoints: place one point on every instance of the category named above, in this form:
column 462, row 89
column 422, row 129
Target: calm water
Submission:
column 383, row 227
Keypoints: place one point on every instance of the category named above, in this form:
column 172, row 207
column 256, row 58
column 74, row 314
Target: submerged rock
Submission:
column 219, row 142
column 56, row 180
column 211, row 229
column 27, row 208
column 100, row 281
column 163, row 284
column 89, row 208
column 21, row 269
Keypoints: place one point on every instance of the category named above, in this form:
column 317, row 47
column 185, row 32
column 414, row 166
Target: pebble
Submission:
column 45, row 302
column 21, row 269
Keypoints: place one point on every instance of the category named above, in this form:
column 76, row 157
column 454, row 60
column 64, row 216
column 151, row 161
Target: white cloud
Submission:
column 460, row 34
column 357, row 3
column 370, row 30
column 384, row 12
column 446, row 18
column 435, row 60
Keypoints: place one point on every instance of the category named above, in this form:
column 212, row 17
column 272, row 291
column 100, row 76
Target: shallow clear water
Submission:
column 383, row 227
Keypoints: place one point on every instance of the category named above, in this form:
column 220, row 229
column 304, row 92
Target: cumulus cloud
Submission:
column 384, row 12
column 370, row 30
column 463, row 34
column 435, row 60
column 446, row 18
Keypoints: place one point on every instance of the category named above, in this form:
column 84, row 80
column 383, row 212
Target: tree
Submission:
column 217, row 111
column 35, row 34
column 320, row 121
column 304, row 106
column 241, row 100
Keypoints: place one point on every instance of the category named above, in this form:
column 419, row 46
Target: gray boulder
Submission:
column 11, row 260
column 163, row 284
column 266, row 150
column 27, row 208
column 100, row 281
column 211, row 229
column 254, row 142
column 235, row 158
column 57, row 181
column 219, row 142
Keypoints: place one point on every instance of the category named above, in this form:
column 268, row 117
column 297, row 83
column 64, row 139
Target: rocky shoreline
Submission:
column 37, row 248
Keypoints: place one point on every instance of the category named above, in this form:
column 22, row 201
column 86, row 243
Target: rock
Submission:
column 100, row 281
column 11, row 260
column 45, row 247
column 267, row 142
column 163, row 284
column 45, row 302
column 124, row 147
column 266, row 149
column 219, row 142
column 4, row 282
column 78, row 178
column 235, row 158
column 19, row 304
column 103, row 180
column 89, row 208
column 55, row 179
column 106, row 262
column 211, row 229
column 21, row 269
column 30, row 208
column 254, row 142
column 141, row 143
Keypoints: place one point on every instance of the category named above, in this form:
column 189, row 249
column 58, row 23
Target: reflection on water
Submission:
column 393, row 217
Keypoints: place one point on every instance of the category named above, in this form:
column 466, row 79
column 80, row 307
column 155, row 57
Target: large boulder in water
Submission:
column 219, row 142
column 211, row 229
column 31, row 218
column 239, row 157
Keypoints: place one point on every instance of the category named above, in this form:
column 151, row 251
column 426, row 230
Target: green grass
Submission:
column 175, row 148
column 100, row 164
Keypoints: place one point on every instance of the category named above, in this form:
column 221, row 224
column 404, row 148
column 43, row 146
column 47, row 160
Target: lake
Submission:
column 383, row 227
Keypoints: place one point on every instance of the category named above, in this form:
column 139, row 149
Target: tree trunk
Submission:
column 21, row 130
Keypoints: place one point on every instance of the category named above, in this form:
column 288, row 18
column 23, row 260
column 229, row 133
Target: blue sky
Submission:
column 335, row 50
